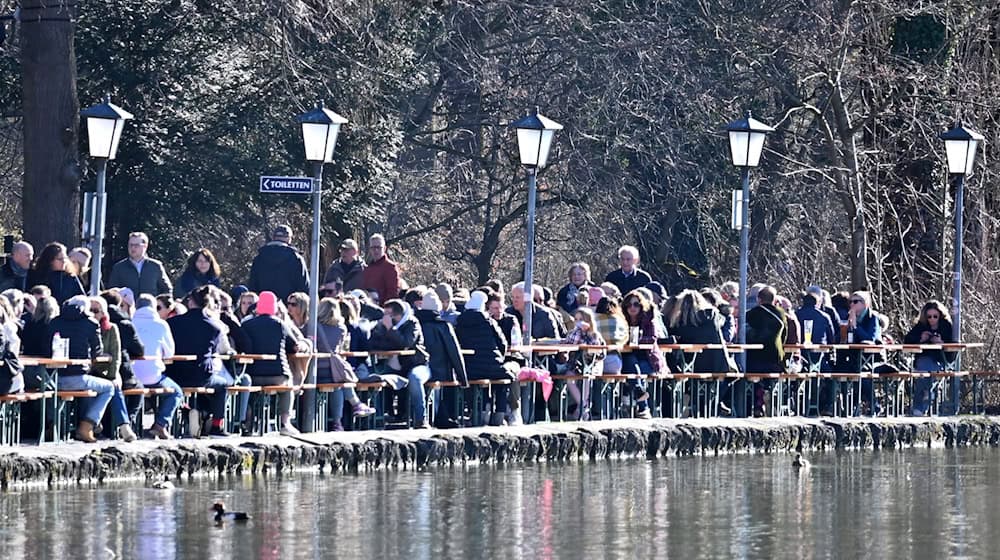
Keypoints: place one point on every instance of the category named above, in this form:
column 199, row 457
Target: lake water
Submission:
column 892, row 504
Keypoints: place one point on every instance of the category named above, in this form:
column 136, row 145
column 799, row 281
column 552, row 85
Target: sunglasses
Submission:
column 634, row 303
column 293, row 304
column 934, row 316
column 159, row 308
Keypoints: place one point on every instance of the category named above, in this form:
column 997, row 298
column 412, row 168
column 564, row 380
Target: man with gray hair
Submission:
column 382, row 274
column 14, row 272
column 445, row 294
column 629, row 276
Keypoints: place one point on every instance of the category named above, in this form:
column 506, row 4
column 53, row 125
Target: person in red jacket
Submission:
column 382, row 274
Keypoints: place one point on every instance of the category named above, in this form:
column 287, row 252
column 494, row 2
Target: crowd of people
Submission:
column 142, row 319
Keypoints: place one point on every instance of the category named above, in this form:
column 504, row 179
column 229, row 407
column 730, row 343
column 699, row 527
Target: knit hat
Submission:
column 127, row 296
column 238, row 291
column 477, row 301
column 657, row 289
column 267, row 304
column 81, row 303
column 431, row 302
column 281, row 232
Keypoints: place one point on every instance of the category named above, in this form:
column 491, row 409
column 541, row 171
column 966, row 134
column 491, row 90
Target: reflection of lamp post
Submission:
column 960, row 144
column 746, row 142
column 534, row 139
column 319, row 134
column 104, row 130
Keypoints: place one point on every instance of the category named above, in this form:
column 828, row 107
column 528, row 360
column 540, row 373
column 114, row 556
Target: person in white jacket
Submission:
column 159, row 344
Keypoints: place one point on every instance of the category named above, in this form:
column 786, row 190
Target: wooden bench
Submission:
column 10, row 414
column 479, row 389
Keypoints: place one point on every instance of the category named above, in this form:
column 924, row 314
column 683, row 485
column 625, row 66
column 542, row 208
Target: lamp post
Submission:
column 320, row 128
column 104, row 129
column 534, row 139
column 960, row 144
column 746, row 142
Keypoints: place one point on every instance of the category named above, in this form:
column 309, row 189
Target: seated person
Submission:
column 399, row 330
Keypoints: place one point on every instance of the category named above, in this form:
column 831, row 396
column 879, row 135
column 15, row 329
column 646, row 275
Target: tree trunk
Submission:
column 51, row 189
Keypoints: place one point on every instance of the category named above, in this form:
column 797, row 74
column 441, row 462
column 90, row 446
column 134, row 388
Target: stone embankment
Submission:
column 53, row 464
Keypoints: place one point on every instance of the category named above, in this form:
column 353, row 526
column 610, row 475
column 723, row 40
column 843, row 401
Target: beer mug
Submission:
column 807, row 336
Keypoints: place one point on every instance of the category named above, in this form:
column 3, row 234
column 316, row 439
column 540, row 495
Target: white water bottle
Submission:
column 59, row 347
column 515, row 336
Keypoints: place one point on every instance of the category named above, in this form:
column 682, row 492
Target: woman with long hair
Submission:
column 613, row 327
column 932, row 327
column 54, row 269
column 112, row 345
column 639, row 316
column 202, row 269
column 333, row 337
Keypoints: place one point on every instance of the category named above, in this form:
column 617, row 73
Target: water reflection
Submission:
column 910, row 504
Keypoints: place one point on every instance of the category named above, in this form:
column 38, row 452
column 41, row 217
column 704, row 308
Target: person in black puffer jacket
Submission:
column 444, row 358
column 268, row 335
column 75, row 324
column 477, row 331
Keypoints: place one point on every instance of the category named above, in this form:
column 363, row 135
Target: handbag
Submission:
column 340, row 370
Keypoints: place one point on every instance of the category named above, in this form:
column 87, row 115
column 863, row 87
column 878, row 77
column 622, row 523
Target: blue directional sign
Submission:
column 294, row 185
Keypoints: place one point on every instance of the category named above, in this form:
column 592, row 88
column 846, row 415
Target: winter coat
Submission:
column 63, row 284
column 195, row 334
column 237, row 338
column 112, row 344
column 542, row 323
column 406, row 336
column 382, row 276
column 766, row 325
column 707, row 329
column 566, row 297
column 822, row 329
column 477, row 331
column 352, row 275
column 192, row 279
column 156, row 338
column 9, row 278
column 638, row 279
column 443, row 356
column 36, row 338
column 944, row 330
column 268, row 335
column 153, row 279
column 83, row 334
column 279, row 268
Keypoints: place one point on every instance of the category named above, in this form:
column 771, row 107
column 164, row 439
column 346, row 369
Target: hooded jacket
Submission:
column 131, row 345
column 63, row 284
column 268, row 335
column 84, row 337
column 405, row 335
column 154, row 333
column 443, row 355
column 279, row 268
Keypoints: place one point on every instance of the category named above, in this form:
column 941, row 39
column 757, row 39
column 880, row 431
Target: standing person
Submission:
column 443, row 358
column 81, row 258
column 55, row 270
column 269, row 335
column 138, row 272
column 349, row 269
column 14, row 272
column 629, row 277
column 201, row 269
column 579, row 280
column 766, row 325
column 932, row 327
column 382, row 274
column 154, row 333
column 75, row 325
column 197, row 333
column 278, row 267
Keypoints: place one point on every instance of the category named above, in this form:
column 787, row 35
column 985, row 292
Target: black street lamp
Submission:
column 104, row 130
column 534, row 140
column 960, row 144
column 320, row 128
column 746, row 142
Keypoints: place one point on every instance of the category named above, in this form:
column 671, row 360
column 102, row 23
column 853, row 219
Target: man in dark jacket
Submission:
column 820, row 297
column 14, row 272
column 279, row 267
column 198, row 334
column 765, row 325
column 444, row 358
column 138, row 272
column 268, row 335
column 399, row 330
column 349, row 269
column 542, row 323
column 629, row 276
